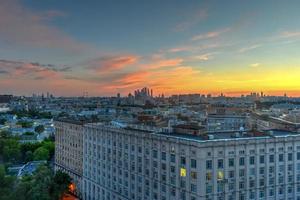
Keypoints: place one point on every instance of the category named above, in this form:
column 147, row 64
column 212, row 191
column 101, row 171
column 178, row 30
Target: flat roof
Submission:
column 232, row 135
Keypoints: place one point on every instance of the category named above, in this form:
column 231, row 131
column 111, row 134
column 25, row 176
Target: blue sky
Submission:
column 104, row 47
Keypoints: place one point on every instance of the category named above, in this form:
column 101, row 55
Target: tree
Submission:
column 2, row 121
column 6, row 185
column 39, row 129
column 25, row 124
column 28, row 156
column 50, row 146
column 61, row 182
column 4, row 134
column 41, row 153
column 42, row 180
column 11, row 150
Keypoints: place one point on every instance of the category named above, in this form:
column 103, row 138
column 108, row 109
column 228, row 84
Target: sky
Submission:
column 105, row 47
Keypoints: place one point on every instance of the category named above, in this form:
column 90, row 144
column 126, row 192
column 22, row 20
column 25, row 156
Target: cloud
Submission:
column 161, row 63
column 192, row 20
column 210, row 35
column 31, row 70
column 177, row 49
column 252, row 47
column 255, row 65
column 3, row 71
column 107, row 64
column 204, row 57
column 24, row 27
column 290, row 34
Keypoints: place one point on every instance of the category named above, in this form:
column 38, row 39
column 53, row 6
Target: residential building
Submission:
column 125, row 163
column 69, row 150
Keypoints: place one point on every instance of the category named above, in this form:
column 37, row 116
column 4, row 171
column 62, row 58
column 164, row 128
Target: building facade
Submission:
column 69, row 151
column 217, row 123
column 122, row 163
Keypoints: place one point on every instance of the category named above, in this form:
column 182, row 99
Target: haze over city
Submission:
column 103, row 48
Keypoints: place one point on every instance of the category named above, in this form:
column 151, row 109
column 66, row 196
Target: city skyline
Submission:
column 104, row 48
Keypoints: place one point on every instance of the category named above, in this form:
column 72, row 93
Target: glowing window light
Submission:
column 182, row 172
column 220, row 175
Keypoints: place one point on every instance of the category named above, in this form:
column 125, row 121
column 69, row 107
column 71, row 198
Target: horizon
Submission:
column 104, row 48
column 213, row 94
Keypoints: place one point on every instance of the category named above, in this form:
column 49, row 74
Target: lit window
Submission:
column 220, row 175
column 182, row 172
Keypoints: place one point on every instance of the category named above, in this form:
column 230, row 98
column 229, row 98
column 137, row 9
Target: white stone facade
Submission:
column 123, row 164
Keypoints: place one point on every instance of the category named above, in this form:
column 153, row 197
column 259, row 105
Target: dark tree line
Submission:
column 42, row 185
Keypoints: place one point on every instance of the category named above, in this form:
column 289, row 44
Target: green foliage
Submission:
column 28, row 156
column 39, row 129
column 13, row 152
column 28, row 133
column 4, row 134
column 32, row 114
column 10, row 150
column 61, row 182
column 2, row 121
column 25, row 124
column 50, row 146
column 43, row 185
column 6, row 184
column 41, row 153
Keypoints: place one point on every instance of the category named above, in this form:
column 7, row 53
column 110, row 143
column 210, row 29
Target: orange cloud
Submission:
column 111, row 63
column 163, row 63
column 209, row 35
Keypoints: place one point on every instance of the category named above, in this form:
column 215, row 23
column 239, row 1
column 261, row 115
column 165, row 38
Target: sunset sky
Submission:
column 67, row 47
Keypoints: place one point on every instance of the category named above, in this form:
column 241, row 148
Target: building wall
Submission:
column 69, row 151
column 126, row 164
column 225, row 123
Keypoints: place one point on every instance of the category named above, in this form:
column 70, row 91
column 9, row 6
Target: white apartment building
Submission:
column 69, row 150
column 122, row 163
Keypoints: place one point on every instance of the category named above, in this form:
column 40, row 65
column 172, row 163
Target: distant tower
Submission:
column 151, row 93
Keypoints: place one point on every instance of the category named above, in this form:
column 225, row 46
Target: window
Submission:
column 220, row 175
column 220, row 164
column 252, row 171
column 182, row 172
column 280, row 157
column 261, row 170
column 208, row 189
column 172, row 168
column 154, row 152
column 290, row 157
column 193, row 188
column 173, row 158
column 182, row 160
column 231, row 174
column 271, row 158
column 261, row 159
column 193, row 163
column 209, row 164
column 242, row 161
column 242, row 172
column 252, row 160
column 241, row 185
column 194, row 175
column 163, row 155
column 208, row 176
column 251, row 183
column 231, row 162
